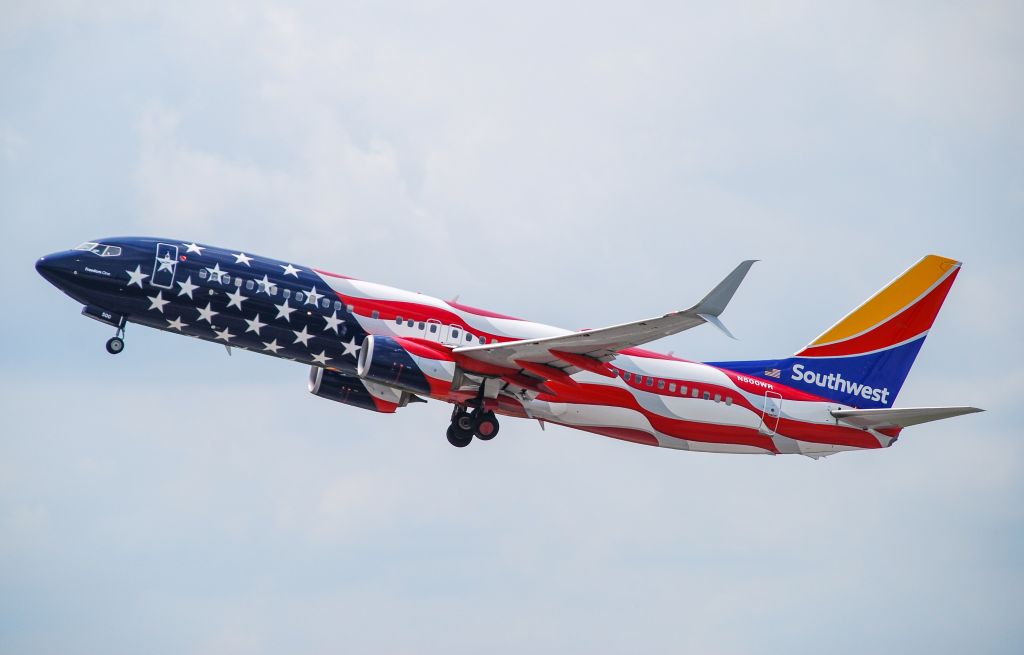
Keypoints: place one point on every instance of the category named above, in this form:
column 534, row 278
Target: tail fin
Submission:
column 863, row 360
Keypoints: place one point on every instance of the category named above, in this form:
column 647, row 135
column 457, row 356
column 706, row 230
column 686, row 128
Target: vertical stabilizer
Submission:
column 863, row 360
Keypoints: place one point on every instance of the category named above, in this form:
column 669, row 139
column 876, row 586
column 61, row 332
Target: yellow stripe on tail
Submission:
column 892, row 299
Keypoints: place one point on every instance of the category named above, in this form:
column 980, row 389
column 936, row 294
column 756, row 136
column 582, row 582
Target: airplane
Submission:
column 382, row 348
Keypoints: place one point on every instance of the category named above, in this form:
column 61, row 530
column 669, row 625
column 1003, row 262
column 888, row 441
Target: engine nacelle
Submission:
column 345, row 389
column 405, row 364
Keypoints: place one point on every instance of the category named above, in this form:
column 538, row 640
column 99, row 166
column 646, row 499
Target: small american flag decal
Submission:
column 773, row 373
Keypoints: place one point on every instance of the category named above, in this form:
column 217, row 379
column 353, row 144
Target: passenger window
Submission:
column 707, row 395
column 626, row 375
column 494, row 341
column 728, row 400
column 325, row 303
column 398, row 320
column 350, row 308
column 337, row 305
column 287, row 293
column 249, row 284
column 203, row 274
column 422, row 325
column 238, row 282
column 650, row 382
column 671, row 387
column 433, row 327
column 469, row 337
column 639, row 379
column 483, row 340
column 661, row 384
column 682, row 390
column 718, row 398
column 375, row 314
column 455, row 334
column 696, row 393
column 299, row 296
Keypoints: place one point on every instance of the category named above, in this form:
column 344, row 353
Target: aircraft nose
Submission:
column 55, row 266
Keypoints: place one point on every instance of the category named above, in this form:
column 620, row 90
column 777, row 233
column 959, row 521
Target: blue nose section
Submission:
column 56, row 267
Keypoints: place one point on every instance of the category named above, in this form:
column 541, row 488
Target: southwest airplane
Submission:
column 380, row 348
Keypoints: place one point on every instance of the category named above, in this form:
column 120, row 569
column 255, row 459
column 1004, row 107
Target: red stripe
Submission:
column 909, row 323
column 481, row 312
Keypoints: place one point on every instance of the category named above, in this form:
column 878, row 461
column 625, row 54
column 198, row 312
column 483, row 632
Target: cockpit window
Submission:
column 100, row 249
column 94, row 248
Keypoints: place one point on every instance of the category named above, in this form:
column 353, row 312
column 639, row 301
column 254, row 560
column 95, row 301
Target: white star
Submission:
column 236, row 299
column 216, row 274
column 302, row 336
column 321, row 358
column 272, row 346
column 332, row 322
column 351, row 348
column 207, row 314
column 187, row 287
column 255, row 325
column 157, row 302
column 313, row 297
column 166, row 263
column 266, row 286
column 176, row 324
column 224, row 334
column 136, row 276
column 192, row 247
column 241, row 258
column 284, row 311
column 289, row 270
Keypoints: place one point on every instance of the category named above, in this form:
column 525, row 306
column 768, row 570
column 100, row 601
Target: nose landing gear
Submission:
column 115, row 344
column 467, row 424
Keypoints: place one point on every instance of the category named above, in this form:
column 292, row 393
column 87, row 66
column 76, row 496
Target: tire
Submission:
column 486, row 426
column 465, row 422
column 115, row 345
column 458, row 438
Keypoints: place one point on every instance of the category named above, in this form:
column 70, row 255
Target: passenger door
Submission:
column 771, row 412
column 165, row 265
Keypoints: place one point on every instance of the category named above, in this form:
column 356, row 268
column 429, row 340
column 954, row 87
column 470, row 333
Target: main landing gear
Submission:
column 466, row 424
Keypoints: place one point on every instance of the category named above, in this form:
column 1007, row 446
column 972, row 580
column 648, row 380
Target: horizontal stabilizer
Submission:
column 899, row 417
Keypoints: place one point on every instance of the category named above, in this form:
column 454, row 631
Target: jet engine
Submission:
column 407, row 364
column 365, row 394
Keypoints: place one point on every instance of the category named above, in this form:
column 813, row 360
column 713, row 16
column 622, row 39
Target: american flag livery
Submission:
column 380, row 348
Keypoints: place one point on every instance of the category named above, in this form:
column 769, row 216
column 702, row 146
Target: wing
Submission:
column 589, row 349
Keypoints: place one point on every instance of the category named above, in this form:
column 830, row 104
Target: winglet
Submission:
column 714, row 303
column 712, row 319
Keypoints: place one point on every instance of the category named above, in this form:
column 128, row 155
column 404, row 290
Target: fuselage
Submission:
column 322, row 319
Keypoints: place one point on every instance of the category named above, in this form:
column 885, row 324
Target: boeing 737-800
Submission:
column 381, row 348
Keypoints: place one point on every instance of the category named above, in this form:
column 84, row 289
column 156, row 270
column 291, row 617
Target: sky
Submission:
column 578, row 164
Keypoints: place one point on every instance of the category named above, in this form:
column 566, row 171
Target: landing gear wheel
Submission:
column 486, row 426
column 464, row 422
column 115, row 345
column 457, row 437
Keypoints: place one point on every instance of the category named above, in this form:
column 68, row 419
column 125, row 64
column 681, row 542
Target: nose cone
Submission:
column 56, row 267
